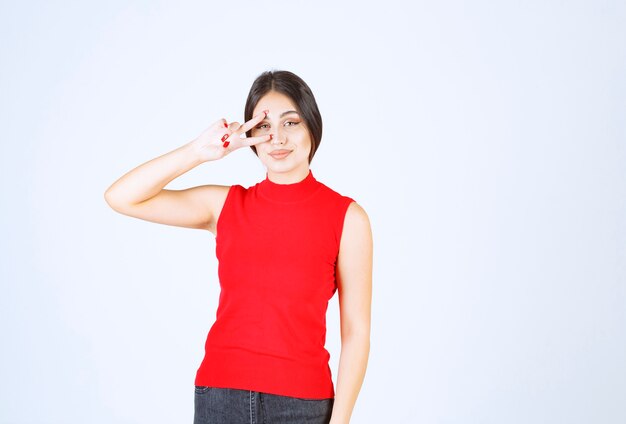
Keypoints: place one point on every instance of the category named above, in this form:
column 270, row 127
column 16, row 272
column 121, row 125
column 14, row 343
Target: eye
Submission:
column 261, row 126
column 291, row 122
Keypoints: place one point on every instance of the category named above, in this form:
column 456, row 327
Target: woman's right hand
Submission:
column 209, row 145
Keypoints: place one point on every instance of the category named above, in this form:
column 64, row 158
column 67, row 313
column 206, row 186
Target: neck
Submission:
column 291, row 177
column 297, row 191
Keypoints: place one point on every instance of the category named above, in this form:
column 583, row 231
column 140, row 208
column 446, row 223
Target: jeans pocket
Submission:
column 202, row 389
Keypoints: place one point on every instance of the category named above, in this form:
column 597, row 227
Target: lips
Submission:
column 279, row 154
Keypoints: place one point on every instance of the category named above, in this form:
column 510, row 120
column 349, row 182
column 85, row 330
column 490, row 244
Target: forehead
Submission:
column 275, row 102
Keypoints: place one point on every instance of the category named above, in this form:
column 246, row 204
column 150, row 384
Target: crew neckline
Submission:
column 287, row 193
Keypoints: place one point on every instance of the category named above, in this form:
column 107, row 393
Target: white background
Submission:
column 486, row 141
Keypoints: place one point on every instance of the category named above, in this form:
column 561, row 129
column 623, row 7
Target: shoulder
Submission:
column 210, row 194
column 345, row 205
column 356, row 218
column 235, row 190
column 217, row 194
column 356, row 246
column 339, row 198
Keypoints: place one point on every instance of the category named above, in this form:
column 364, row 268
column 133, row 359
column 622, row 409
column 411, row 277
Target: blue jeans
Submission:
column 216, row 405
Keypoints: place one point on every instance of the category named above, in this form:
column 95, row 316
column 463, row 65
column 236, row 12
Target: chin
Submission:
column 280, row 167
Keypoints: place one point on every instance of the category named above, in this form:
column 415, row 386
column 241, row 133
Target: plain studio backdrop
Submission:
column 486, row 141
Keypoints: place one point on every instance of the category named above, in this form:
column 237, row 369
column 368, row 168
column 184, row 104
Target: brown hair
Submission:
column 298, row 91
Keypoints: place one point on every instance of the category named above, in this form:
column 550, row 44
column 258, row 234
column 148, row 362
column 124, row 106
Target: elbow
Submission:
column 360, row 342
column 359, row 335
column 110, row 200
column 107, row 198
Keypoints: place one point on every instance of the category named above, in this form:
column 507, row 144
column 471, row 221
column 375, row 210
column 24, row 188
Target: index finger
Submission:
column 252, row 122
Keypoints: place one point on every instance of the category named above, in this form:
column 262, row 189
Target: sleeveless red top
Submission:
column 277, row 247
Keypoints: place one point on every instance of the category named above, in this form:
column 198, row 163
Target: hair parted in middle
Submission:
column 298, row 91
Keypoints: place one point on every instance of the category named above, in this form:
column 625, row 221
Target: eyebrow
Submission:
column 285, row 113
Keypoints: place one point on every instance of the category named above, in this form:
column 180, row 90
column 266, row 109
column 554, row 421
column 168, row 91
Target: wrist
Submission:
column 192, row 152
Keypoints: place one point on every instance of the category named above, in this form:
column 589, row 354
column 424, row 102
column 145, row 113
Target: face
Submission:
column 290, row 135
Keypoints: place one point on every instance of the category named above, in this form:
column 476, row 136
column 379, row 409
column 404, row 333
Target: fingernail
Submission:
column 266, row 112
column 226, row 143
column 224, row 137
column 225, row 125
column 271, row 136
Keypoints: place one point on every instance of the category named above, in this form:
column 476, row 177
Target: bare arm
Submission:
column 139, row 193
column 147, row 180
column 354, row 280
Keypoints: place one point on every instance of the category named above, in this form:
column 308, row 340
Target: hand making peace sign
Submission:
column 219, row 138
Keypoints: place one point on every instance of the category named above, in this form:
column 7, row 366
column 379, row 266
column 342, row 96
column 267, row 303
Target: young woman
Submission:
column 284, row 245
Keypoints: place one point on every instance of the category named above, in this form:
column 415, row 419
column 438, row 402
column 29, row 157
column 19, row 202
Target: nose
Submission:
column 277, row 138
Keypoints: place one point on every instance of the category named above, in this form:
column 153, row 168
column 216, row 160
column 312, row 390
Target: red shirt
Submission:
column 277, row 247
